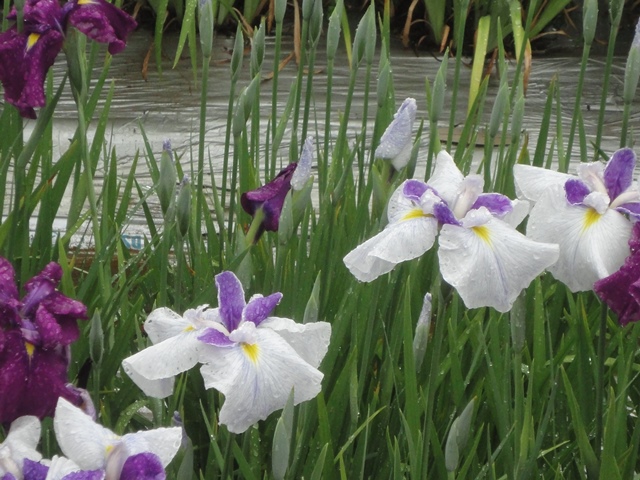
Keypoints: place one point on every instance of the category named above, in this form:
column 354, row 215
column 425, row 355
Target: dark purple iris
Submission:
column 621, row 290
column 26, row 57
column 35, row 334
column 270, row 198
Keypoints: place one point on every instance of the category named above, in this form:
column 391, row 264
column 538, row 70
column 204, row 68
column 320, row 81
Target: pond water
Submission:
column 167, row 105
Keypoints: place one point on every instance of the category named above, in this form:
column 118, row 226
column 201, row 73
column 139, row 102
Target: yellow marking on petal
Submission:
column 85, row 2
column 590, row 218
column 190, row 328
column 484, row 233
column 108, row 449
column 414, row 213
column 30, row 349
column 32, row 39
column 251, row 350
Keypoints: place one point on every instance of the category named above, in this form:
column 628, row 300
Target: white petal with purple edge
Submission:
column 256, row 379
column 163, row 442
column 592, row 246
column 310, row 340
column 531, row 182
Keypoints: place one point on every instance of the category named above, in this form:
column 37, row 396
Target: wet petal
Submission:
column 260, row 307
column 396, row 141
column 80, row 438
column 446, row 178
column 576, row 191
column 397, row 243
column 212, row 336
column 24, row 62
column 161, row 442
column 143, row 466
column 167, row 358
column 531, row 182
column 34, row 470
column 163, row 323
column 592, row 246
column 489, row 265
column 618, row 174
column 309, row 340
column 256, row 379
column 499, row 205
column 270, row 197
column 102, row 22
column 230, row 299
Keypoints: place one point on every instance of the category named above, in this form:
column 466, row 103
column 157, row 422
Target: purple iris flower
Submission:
column 35, row 334
column 25, row 57
column 270, row 198
column 621, row 290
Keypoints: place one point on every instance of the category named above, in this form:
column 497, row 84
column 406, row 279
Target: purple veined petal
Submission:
column 618, row 174
column 499, row 205
column 48, row 328
column 576, row 191
column 40, row 15
column 102, row 22
column 24, row 62
column 414, row 189
column 444, row 215
column 631, row 209
column 143, row 466
column 215, row 337
column 34, row 470
column 270, row 197
column 230, row 299
column 259, row 308
column 36, row 293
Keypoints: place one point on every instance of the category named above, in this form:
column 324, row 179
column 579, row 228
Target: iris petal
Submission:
column 591, row 247
column 490, row 264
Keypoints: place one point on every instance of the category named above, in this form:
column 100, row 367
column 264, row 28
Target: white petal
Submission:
column 256, row 380
column 517, row 215
column 303, row 170
column 163, row 442
column 531, row 182
column 397, row 243
column 163, row 323
column 61, row 467
column 309, row 340
column 395, row 143
column 24, row 430
column 160, row 388
column 489, row 265
column 591, row 247
column 166, row 359
column 80, row 438
column 446, row 178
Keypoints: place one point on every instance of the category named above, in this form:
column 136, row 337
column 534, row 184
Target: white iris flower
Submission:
column 587, row 215
column 252, row 358
column 481, row 253
column 94, row 447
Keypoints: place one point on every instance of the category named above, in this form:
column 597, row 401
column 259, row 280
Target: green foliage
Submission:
column 497, row 395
